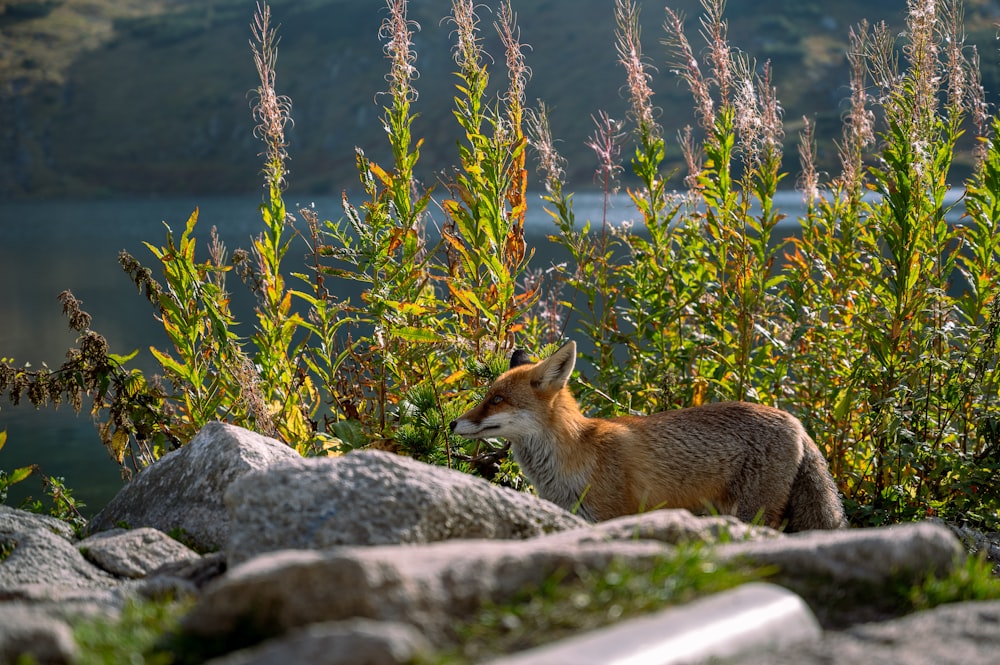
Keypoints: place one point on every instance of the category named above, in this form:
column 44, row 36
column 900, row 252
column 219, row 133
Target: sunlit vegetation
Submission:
column 876, row 323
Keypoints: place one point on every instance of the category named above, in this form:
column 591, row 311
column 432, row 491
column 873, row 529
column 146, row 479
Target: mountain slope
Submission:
column 125, row 97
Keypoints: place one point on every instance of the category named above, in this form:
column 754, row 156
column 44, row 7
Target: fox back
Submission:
column 737, row 458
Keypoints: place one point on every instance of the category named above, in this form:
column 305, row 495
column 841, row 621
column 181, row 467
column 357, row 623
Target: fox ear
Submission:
column 518, row 358
column 553, row 373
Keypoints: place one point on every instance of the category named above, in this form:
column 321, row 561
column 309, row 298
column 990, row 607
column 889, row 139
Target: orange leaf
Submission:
column 380, row 173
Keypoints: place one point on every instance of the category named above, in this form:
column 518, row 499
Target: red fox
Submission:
column 737, row 458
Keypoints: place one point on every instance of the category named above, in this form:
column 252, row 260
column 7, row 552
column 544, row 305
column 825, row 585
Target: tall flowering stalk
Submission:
column 651, row 198
column 685, row 65
column 512, row 125
column 637, row 70
column 735, row 168
column 808, row 182
column 485, row 214
column 392, row 346
column 397, row 32
column 858, row 131
column 606, row 142
column 828, row 265
column 551, row 169
column 290, row 397
column 272, row 111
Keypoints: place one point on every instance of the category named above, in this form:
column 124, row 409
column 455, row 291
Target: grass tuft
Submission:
column 135, row 637
column 572, row 602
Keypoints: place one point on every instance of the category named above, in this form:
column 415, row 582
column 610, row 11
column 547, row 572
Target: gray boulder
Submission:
column 135, row 553
column 845, row 575
column 376, row 498
column 866, row 555
column 183, row 490
column 48, row 572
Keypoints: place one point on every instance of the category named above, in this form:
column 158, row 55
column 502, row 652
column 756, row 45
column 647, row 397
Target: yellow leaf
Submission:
column 700, row 390
column 455, row 377
column 168, row 363
column 467, row 298
column 380, row 173
column 17, row 475
column 119, row 444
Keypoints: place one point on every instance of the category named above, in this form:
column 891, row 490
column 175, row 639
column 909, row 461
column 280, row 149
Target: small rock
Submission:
column 675, row 527
column 133, row 553
column 978, row 542
column 187, row 577
column 13, row 520
column 40, row 557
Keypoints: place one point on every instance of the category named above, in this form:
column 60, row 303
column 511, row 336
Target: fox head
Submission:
column 520, row 402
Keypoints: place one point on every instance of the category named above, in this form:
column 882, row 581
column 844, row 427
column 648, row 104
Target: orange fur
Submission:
column 736, row 458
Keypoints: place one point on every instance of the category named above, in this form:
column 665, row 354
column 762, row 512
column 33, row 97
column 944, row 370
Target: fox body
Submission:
column 737, row 458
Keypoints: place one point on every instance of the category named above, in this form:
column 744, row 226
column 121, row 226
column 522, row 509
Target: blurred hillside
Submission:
column 151, row 97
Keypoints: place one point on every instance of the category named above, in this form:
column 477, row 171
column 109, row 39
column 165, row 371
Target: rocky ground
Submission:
column 374, row 558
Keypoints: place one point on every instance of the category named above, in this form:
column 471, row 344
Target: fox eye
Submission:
column 496, row 399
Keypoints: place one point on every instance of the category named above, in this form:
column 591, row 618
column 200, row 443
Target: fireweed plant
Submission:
column 876, row 323
column 388, row 368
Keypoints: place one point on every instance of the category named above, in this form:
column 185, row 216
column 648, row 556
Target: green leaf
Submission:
column 168, row 363
column 418, row 335
column 843, row 402
column 17, row 475
column 121, row 360
column 774, row 281
column 350, row 432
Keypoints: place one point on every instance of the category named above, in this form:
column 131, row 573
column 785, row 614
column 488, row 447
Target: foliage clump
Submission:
column 875, row 322
column 140, row 635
